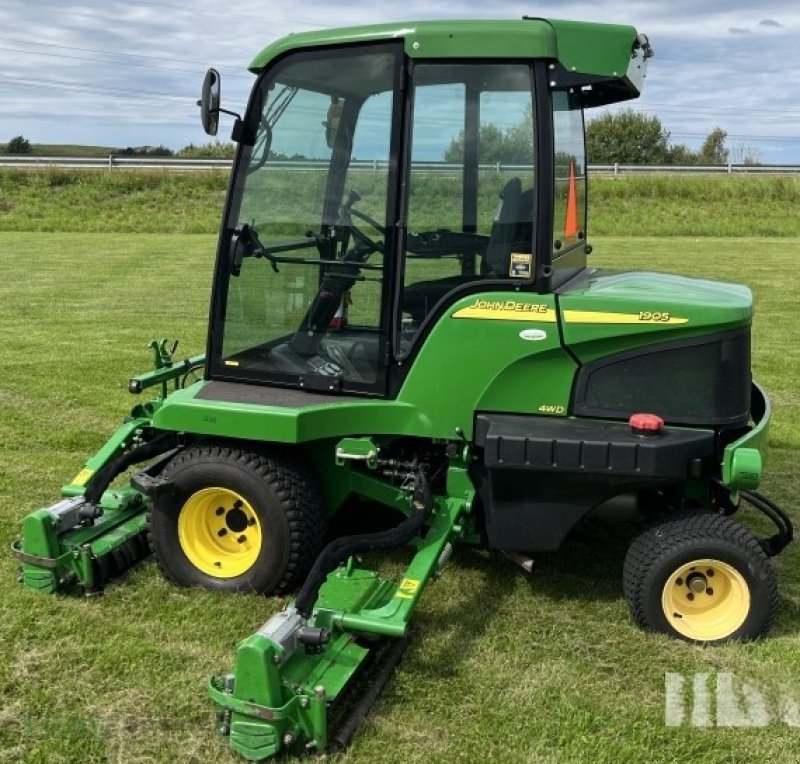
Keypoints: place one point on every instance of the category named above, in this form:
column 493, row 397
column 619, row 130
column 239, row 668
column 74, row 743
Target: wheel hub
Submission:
column 236, row 519
column 219, row 532
column 696, row 582
column 706, row 600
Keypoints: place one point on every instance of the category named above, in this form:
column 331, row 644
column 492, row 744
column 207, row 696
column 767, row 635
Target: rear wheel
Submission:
column 238, row 520
column 700, row 577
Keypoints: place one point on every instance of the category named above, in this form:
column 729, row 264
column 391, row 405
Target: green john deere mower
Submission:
column 396, row 321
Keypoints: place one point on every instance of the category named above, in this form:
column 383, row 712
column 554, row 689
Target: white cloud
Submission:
column 123, row 73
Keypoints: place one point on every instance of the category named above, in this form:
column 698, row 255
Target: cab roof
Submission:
column 610, row 57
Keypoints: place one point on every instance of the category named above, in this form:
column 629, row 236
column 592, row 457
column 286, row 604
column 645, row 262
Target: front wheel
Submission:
column 701, row 577
column 237, row 520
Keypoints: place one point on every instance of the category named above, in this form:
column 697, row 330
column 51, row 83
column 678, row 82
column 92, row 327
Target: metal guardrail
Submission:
column 118, row 162
column 113, row 162
column 677, row 169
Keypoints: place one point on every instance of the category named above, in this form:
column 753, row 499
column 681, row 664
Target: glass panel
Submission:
column 569, row 215
column 471, row 184
column 306, row 300
column 368, row 176
column 505, row 149
column 436, row 188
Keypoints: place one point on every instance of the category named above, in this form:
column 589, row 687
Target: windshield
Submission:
column 308, row 223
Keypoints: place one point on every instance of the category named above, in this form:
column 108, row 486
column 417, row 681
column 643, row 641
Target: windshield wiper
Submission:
column 269, row 119
column 279, row 104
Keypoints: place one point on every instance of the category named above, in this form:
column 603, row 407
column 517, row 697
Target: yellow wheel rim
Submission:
column 706, row 600
column 219, row 532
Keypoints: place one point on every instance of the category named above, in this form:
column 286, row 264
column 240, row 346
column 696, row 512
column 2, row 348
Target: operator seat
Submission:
column 502, row 237
column 512, row 228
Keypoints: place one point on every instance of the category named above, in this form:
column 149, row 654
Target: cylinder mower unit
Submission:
column 433, row 344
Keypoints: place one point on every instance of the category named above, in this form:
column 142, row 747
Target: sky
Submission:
column 113, row 73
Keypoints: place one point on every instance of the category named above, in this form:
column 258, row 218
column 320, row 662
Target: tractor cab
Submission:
column 379, row 181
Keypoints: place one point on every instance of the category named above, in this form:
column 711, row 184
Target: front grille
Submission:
column 700, row 380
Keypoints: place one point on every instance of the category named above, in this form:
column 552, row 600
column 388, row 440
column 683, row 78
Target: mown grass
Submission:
column 502, row 667
column 84, row 201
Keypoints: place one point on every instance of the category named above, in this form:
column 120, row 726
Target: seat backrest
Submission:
column 511, row 228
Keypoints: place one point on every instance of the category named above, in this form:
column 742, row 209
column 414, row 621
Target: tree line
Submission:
column 624, row 137
column 630, row 137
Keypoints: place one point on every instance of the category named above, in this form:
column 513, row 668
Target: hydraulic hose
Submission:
column 337, row 551
column 774, row 544
column 102, row 479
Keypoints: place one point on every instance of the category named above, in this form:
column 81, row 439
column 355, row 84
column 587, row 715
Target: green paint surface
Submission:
column 601, row 49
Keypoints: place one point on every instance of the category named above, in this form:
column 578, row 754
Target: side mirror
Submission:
column 209, row 102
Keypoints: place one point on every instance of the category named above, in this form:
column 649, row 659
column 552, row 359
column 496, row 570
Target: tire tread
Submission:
column 293, row 485
column 681, row 530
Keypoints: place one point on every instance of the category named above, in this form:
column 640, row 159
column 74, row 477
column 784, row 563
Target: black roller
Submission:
column 378, row 676
column 119, row 560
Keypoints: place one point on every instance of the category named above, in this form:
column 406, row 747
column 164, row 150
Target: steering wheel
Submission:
column 346, row 215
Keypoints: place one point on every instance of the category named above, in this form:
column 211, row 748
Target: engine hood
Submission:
column 608, row 311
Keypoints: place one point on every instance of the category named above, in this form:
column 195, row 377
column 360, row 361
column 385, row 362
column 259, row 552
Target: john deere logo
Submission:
column 507, row 310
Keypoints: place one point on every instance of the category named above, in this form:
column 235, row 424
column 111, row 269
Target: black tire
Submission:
column 281, row 501
column 658, row 575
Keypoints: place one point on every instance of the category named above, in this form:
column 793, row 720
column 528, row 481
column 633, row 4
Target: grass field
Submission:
column 190, row 202
column 502, row 667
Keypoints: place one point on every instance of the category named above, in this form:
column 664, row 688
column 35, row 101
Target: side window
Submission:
column 470, row 196
column 569, row 208
column 435, row 194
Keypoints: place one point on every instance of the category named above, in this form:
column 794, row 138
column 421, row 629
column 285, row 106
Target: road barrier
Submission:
column 118, row 162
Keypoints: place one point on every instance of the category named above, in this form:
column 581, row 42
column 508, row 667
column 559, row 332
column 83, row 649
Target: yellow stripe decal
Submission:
column 82, row 478
column 642, row 317
column 508, row 310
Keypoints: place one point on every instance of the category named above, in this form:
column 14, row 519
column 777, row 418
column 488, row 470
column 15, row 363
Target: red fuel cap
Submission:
column 646, row 424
